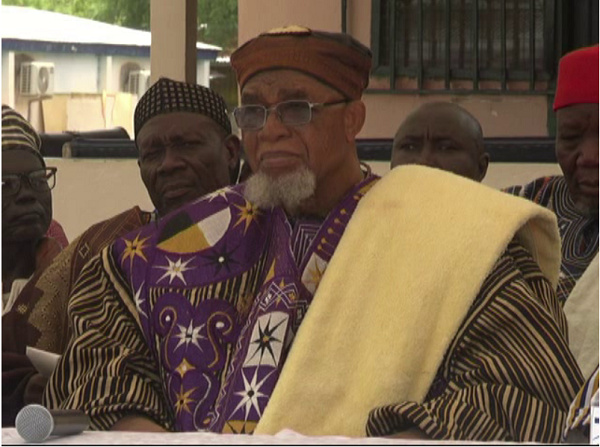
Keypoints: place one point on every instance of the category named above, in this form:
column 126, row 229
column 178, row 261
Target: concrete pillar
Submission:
column 10, row 72
column 174, row 32
column 108, row 75
column 203, row 76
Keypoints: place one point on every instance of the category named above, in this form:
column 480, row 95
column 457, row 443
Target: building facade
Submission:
column 496, row 58
column 67, row 73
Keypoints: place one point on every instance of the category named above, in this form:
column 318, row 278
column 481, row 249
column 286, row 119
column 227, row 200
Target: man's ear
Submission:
column 354, row 119
column 232, row 145
column 484, row 161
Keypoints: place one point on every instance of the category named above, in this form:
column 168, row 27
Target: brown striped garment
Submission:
column 508, row 375
column 39, row 316
column 107, row 338
column 578, row 232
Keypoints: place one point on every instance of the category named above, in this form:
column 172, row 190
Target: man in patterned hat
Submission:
column 26, row 251
column 316, row 292
column 186, row 149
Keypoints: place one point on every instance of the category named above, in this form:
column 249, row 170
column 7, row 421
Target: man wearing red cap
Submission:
column 319, row 297
column 573, row 197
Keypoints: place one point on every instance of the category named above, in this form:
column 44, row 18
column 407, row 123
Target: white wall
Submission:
column 86, row 73
column 73, row 73
column 89, row 191
column 117, row 63
column 203, row 73
column 4, row 77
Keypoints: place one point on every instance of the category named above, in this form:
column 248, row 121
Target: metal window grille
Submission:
column 488, row 43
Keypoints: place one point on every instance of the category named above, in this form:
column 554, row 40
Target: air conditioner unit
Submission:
column 37, row 78
column 139, row 82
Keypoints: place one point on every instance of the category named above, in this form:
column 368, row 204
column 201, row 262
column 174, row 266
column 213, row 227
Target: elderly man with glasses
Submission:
column 316, row 293
column 26, row 251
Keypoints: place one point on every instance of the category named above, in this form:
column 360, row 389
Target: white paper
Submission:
column 45, row 362
column 595, row 425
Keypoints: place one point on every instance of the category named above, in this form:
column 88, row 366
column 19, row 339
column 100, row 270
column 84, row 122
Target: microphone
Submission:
column 36, row 423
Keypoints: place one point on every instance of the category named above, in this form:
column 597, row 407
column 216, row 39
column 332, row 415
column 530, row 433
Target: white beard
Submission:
column 287, row 191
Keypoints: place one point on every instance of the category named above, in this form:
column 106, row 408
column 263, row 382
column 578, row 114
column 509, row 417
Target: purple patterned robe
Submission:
column 221, row 288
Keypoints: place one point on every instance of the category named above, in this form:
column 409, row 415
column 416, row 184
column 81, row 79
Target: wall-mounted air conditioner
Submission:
column 139, row 82
column 37, row 78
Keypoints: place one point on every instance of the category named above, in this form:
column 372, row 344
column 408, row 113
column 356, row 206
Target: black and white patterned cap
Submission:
column 18, row 133
column 167, row 96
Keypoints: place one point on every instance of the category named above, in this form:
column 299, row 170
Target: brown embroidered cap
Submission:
column 336, row 59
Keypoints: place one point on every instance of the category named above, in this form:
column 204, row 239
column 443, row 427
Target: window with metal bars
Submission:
column 465, row 40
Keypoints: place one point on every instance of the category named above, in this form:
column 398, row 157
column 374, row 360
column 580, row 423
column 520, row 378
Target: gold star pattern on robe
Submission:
column 134, row 248
column 183, row 400
column 184, row 367
column 240, row 427
column 271, row 272
column 248, row 214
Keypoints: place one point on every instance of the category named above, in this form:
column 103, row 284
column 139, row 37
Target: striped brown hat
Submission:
column 167, row 96
column 336, row 59
column 17, row 133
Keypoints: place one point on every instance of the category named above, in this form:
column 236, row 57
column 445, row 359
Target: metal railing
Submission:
column 490, row 46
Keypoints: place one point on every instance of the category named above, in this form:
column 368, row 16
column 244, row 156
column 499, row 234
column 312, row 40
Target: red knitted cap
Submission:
column 335, row 59
column 577, row 78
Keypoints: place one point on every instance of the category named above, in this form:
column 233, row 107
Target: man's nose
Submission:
column 588, row 152
column 26, row 192
column 273, row 128
column 171, row 160
column 427, row 156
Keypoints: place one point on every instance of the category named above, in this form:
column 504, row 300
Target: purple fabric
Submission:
column 221, row 289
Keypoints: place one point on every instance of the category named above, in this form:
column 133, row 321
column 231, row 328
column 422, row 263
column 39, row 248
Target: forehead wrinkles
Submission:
column 278, row 85
column 20, row 160
column 577, row 120
column 169, row 126
column 431, row 126
column 446, row 127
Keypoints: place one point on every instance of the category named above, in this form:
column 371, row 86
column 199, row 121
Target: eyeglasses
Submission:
column 41, row 181
column 290, row 113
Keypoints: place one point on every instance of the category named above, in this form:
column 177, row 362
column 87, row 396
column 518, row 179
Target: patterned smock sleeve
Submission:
column 107, row 370
column 538, row 191
column 508, row 375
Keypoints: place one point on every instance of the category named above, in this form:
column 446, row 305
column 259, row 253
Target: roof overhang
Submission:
column 19, row 45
